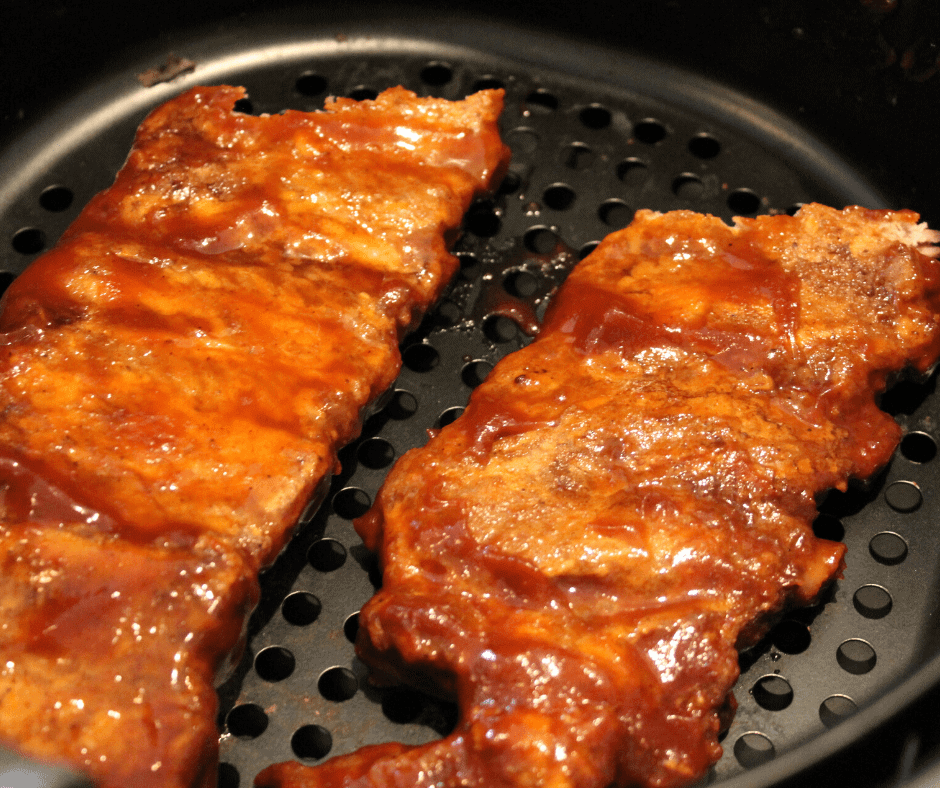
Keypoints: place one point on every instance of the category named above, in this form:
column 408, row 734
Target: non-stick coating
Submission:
column 596, row 133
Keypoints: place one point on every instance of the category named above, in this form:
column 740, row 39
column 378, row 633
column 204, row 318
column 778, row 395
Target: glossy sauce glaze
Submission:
column 176, row 377
column 628, row 500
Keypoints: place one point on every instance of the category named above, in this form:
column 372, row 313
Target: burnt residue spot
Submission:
column 174, row 66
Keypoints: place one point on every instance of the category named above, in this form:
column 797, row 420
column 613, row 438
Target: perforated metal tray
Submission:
column 595, row 135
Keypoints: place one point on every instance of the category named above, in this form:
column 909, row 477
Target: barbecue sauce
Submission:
column 176, row 377
column 629, row 499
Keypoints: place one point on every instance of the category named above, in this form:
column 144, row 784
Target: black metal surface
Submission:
column 597, row 131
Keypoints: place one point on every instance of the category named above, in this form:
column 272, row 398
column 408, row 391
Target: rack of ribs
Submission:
column 629, row 500
column 176, row 377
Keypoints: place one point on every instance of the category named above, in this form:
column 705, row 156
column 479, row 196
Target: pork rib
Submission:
column 629, row 499
column 176, row 377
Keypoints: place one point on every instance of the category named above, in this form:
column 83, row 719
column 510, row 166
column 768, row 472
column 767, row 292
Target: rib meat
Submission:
column 628, row 500
column 176, row 377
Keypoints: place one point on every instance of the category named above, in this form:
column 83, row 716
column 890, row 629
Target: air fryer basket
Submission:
column 598, row 128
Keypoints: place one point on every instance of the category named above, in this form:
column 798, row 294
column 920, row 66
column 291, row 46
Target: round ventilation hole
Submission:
column 615, row 214
column 274, row 663
column 753, row 749
column 301, row 608
column 499, row 328
column 363, row 93
column 872, row 601
column 540, row 240
column 888, row 548
column 326, row 555
column 244, row 106
column 743, row 202
column 903, row 497
column 311, row 742
column 420, row 358
column 790, row 636
column 559, row 197
column 474, row 373
column 523, row 141
column 856, row 656
column 337, row 684
column 488, row 83
column 918, row 447
column 56, row 198
column 835, row 709
column 351, row 627
column 482, row 219
column 228, row 776
column 247, row 721
column 542, row 101
column 6, row 279
column 688, row 187
column 578, row 156
column 403, row 405
column 704, row 146
column 773, row 693
column 310, row 84
column 650, row 131
column 585, row 250
column 375, row 453
column 449, row 416
column 521, row 284
column 437, row 73
column 906, row 396
column 351, row 503
column 633, row 172
column 469, row 265
column 595, row 116
column 510, row 183
column 446, row 314
column 29, row 240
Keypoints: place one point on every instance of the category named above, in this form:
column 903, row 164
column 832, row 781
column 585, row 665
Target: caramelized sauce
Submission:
column 629, row 499
column 176, row 377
